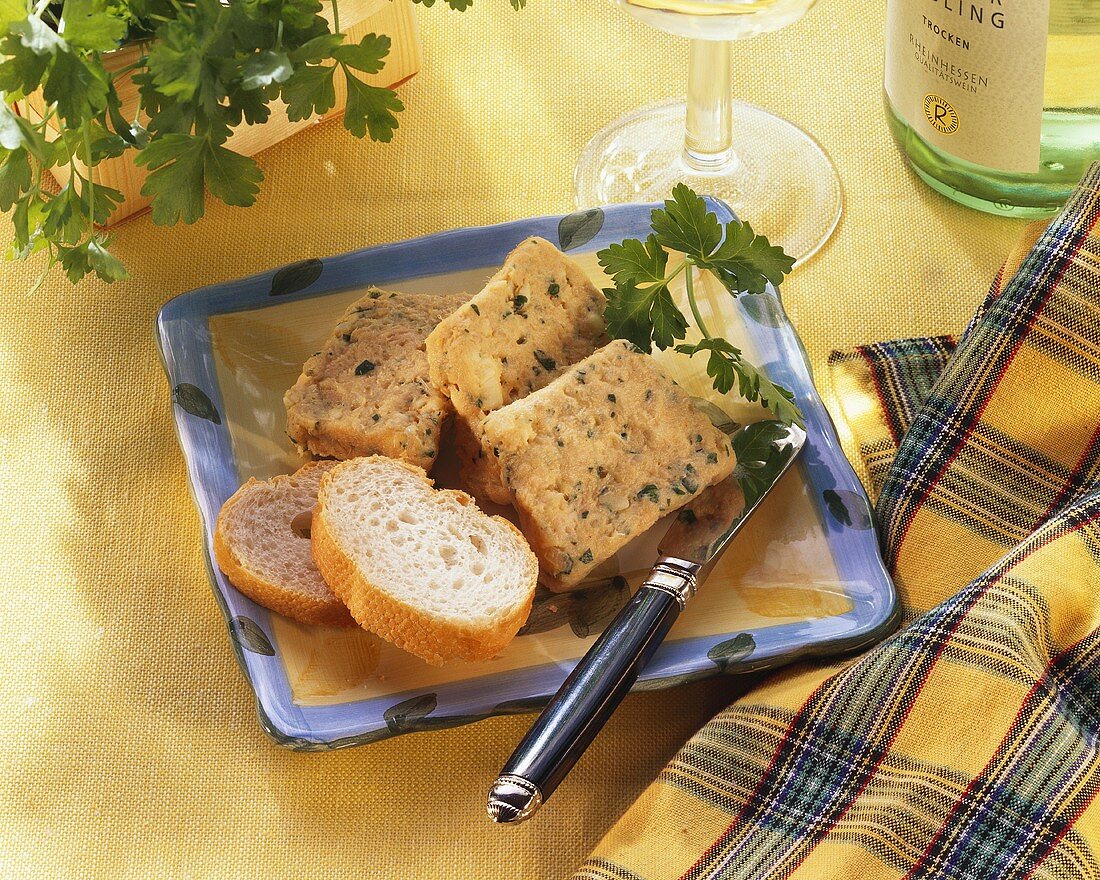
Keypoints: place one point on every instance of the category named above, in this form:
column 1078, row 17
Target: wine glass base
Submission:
column 779, row 179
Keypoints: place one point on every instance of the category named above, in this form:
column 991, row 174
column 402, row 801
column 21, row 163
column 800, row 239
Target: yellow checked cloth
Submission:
column 968, row 745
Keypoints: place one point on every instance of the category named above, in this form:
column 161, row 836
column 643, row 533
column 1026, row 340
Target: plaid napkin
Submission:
column 968, row 744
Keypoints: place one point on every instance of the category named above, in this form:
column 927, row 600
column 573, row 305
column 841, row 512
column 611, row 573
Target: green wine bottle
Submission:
column 996, row 103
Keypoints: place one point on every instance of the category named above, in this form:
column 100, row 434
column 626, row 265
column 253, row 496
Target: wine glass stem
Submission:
column 709, row 138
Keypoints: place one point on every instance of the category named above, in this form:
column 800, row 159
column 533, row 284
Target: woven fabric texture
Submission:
column 967, row 745
column 896, row 377
column 129, row 746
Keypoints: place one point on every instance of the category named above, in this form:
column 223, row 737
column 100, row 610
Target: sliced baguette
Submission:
column 262, row 544
column 423, row 568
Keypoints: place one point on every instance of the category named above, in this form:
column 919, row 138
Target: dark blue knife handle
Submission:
column 593, row 689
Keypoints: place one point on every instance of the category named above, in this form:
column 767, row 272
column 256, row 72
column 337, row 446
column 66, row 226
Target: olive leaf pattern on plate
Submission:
column 593, row 608
column 295, row 277
column 247, row 633
column 410, row 714
column 847, row 508
column 587, row 611
column 194, row 400
column 579, row 228
column 732, row 651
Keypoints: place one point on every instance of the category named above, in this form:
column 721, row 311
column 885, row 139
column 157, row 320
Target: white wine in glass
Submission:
column 766, row 169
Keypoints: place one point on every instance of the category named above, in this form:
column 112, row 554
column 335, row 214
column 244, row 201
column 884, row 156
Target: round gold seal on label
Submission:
column 941, row 115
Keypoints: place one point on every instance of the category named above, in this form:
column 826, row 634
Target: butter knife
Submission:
column 687, row 553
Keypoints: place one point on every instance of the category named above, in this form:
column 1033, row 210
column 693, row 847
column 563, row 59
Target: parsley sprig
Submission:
column 641, row 307
column 204, row 67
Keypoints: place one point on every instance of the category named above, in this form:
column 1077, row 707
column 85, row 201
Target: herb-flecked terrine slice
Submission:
column 537, row 316
column 366, row 392
column 599, row 455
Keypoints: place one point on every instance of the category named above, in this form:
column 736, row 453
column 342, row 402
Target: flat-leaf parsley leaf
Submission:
column 641, row 307
column 201, row 68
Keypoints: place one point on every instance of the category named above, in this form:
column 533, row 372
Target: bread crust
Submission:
column 480, row 473
column 279, row 598
column 431, row 638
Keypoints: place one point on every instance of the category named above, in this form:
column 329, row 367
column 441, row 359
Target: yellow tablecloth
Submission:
column 128, row 742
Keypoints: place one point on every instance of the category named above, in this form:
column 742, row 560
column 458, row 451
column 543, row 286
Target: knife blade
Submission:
column 688, row 552
column 704, row 529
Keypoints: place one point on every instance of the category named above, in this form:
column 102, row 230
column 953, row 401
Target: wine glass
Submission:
column 766, row 169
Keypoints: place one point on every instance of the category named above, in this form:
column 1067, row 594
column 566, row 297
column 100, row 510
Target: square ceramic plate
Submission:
column 804, row 577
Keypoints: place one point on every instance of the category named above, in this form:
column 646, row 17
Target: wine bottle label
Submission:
column 967, row 76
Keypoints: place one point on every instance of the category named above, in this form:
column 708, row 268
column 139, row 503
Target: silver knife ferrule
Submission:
column 675, row 577
column 513, row 799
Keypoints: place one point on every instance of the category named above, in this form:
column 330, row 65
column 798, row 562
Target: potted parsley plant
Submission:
column 166, row 85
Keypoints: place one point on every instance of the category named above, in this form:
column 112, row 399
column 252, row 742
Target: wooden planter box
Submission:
column 357, row 18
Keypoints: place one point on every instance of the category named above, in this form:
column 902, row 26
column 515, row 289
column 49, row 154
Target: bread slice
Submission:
column 262, row 544
column 533, row 319
column 423, row 568
column 366, row 391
